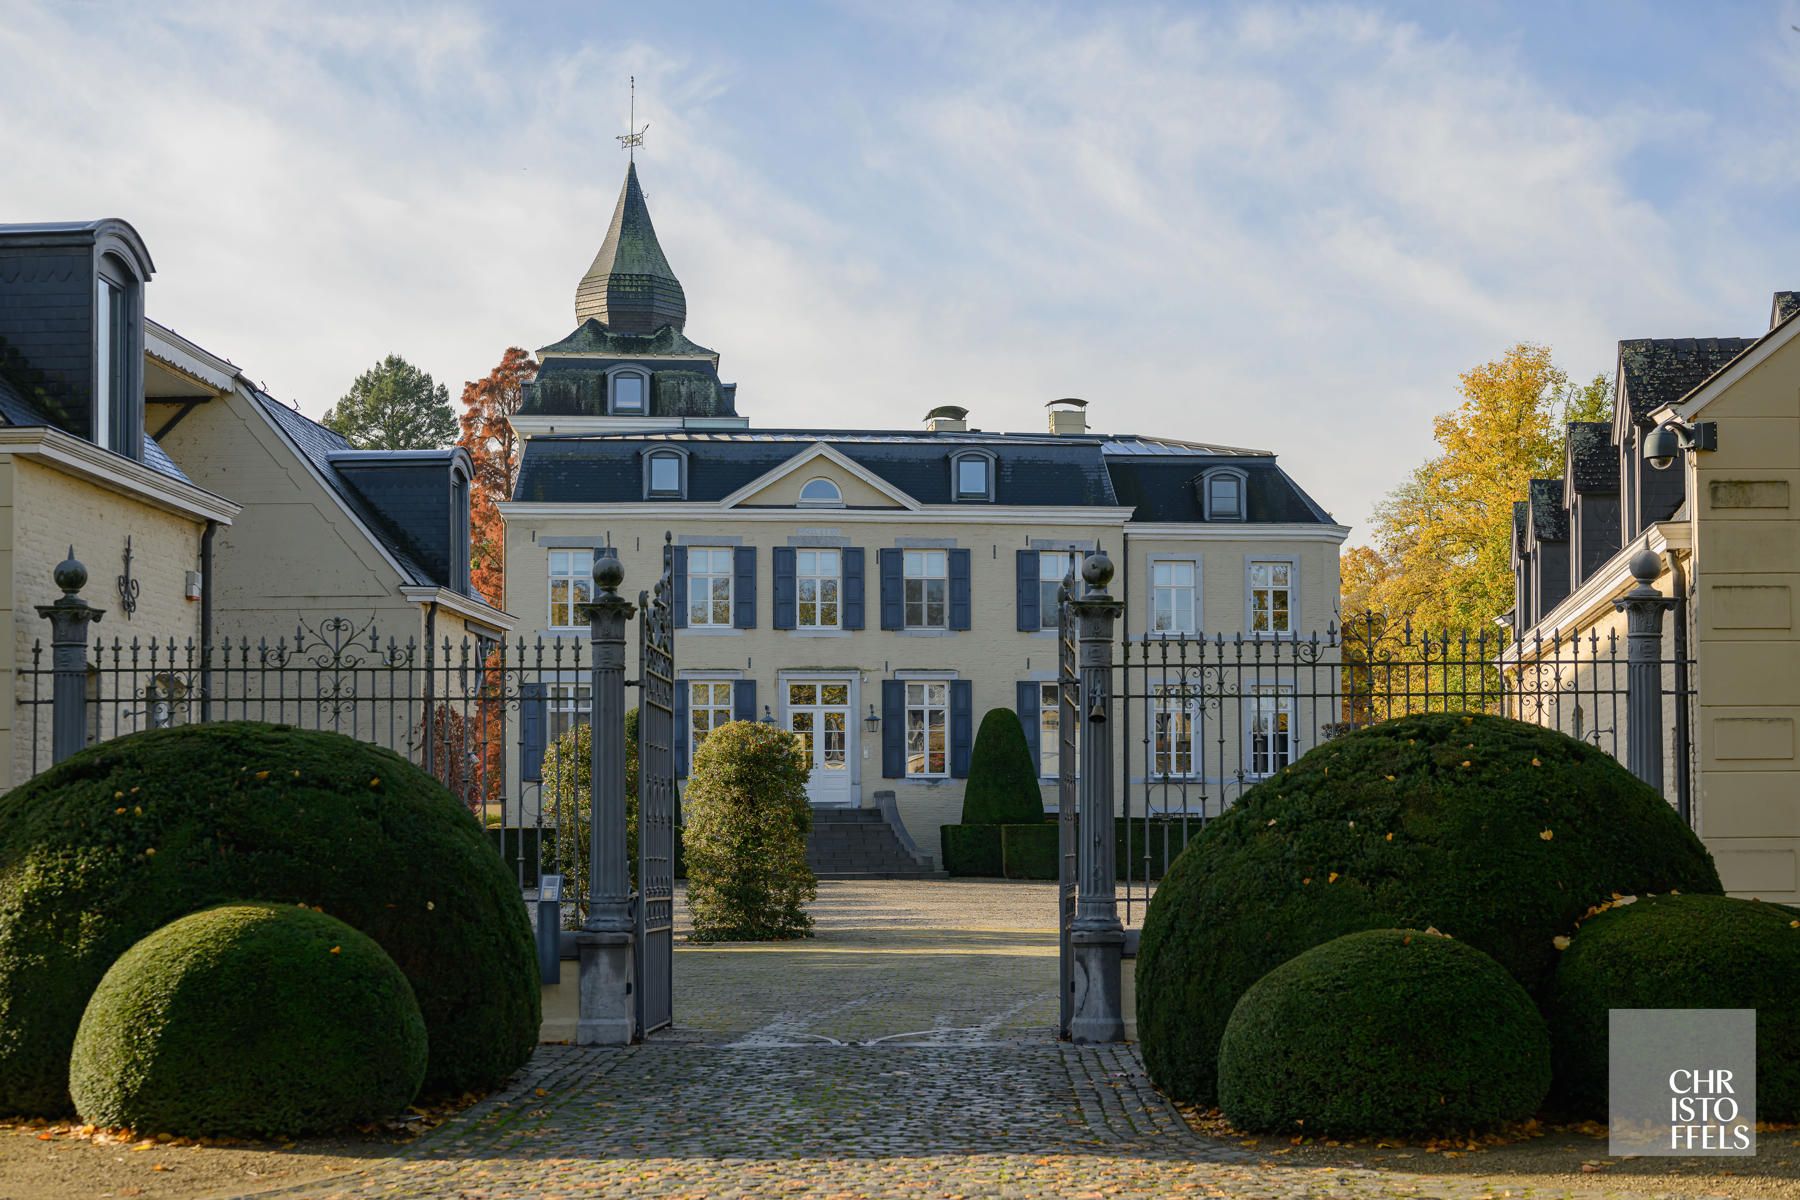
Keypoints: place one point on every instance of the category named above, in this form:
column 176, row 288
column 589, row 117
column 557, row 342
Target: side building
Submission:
column 877, row 591
column 1697, row 470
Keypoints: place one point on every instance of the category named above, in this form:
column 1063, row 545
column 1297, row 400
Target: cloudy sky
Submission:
column 1273, row 225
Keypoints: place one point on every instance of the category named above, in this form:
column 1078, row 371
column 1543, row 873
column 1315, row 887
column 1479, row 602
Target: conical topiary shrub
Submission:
column 1003, row 781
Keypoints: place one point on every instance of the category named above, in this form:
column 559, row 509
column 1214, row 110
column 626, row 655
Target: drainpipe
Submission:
column 1684, row 800
column 430, row 688
column 206, row 619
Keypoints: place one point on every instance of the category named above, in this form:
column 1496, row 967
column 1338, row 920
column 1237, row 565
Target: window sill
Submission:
column 925, row 632
column 818, row 633
column 710, row 631
column 925, row 780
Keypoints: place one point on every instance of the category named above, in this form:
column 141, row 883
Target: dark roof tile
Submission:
column 1659, row 371
column 1593, row 460
column 1549, row 519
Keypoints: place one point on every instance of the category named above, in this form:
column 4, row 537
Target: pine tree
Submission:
column 394, row 406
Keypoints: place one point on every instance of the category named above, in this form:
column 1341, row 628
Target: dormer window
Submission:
column 459, row 532
column 629, row 393
column 118, row 417
column 972, row 475
column 1222, row 495
column 663, row 475
column 822, row 493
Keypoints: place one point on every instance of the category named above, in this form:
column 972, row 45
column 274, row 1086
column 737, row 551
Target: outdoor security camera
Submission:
column 1666, row 442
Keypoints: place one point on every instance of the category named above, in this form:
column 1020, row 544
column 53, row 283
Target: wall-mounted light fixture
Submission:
column 1668, row 440
column 872, row 722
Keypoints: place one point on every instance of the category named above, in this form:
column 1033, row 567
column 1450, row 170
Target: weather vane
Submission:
column 633, row 137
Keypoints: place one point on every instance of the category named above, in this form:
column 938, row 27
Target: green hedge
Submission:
column 1499, row 833
column 129, row 835
column 747, row 821
column 1387, row 1032
column 249, row 1020
column 1680, row 952
column 1031, row 851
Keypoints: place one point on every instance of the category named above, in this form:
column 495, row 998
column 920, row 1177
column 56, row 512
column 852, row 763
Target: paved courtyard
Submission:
column 907, row 1051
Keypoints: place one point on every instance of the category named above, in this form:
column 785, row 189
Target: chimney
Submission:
column 1068, row 417
column 947, row 418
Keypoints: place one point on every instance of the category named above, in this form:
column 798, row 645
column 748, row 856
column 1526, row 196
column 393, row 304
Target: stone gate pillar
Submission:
column 607, row 1013
column 1644, row 607
column 69, row 619
column 1097, row 937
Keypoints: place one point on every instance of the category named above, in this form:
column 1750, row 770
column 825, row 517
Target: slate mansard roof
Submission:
column 1658, row 371
column 1155, row 477
column 1593, row 460
column 365, row 482
column 1549, row 519
column 16, row 410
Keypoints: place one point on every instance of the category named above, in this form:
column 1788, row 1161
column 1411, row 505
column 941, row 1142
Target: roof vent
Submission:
column 1068, row 417
column 947, row 418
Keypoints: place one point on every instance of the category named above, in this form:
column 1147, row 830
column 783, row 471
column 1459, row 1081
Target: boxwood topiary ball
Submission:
column 248, row 1020
column 1679, row 952
column 1499, row 833
column 131, row 834
column 1385, row 1032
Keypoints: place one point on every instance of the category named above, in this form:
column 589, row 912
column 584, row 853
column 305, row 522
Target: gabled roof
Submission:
column 1658, row 371
column 1592, row 459
column 1549, row 519
column 821, row 452
column 318, row 446
column 630, row 287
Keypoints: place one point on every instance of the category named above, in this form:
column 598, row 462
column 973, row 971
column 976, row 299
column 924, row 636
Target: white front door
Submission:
column 819, row 714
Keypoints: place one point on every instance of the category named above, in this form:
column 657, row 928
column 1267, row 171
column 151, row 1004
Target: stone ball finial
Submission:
column 69, row 574
column 609, row 572
column 1645, row 566
column 1097, row 570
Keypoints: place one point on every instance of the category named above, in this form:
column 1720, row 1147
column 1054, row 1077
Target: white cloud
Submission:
column 1267, row 225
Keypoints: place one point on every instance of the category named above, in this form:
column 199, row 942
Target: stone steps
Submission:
column 856, row 843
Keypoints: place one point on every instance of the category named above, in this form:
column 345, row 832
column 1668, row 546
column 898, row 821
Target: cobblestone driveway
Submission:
column 866, row 1063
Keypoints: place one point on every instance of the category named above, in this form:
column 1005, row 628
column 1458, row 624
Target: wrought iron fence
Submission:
column 478, row 714
column 1205, row 717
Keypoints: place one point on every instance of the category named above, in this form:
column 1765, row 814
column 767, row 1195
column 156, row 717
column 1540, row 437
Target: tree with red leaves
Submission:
column 487, row 434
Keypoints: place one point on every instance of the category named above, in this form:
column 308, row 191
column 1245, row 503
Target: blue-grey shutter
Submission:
column 678, row 571
column 743, row 587
column 893, row 612
column 743, row 699
column 1031, row 694
column 786, row 598
column 1030, row 617
column 962, row 726
column 533, row 720
column 961, row 614
column 853, row 588
column 682, row 724
column 893, row 728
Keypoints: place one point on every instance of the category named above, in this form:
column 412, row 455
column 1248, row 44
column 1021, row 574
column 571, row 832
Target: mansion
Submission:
column 878, row 590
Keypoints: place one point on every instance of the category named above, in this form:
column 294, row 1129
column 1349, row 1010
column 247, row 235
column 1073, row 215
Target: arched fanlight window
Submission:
column 822, row 492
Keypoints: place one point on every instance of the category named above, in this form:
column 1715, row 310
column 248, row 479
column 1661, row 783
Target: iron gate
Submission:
column 1068, row 724
column 656, row 805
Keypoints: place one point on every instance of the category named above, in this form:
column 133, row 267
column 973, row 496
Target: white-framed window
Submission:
column 926, row 588
column 571, row 584
column 973, row 477
column 664, row 474
column 566, row 705
column 709, row 586
column 709, row 706
column 822, row 492
column 1173, row 728
column 927, row 728
column 1174, row 595
column 1271, row 596
column 630, row 392
column 1224, row 496
column 109, row 366
column 1271, row 728
column 1053, row 568
column 1049, row 730
column 818, row 588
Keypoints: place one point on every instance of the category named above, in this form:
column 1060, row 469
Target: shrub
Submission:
column 249, row 1020
column 1386, row 1032
column 973, row 850
column 747, row 821
column 131, row 834
column 568, row 774
column 1031, row 851
column 1679, row 952
column 1003, row 781
column 1499, row 833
